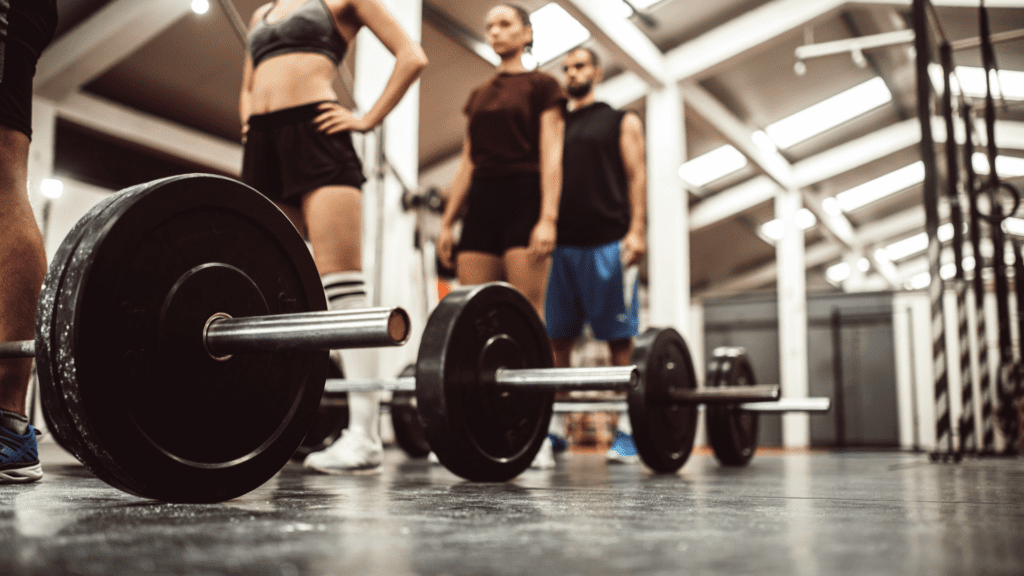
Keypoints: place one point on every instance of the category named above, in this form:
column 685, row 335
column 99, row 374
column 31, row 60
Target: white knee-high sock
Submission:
column 347, row 291
column 557, row 425
column 625, row 426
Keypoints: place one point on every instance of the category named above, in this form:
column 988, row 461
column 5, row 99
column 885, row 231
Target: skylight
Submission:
column 774, row 229
column 709, row 167
column 1014, row 226
column 916, row 244
column 838, row 273
column 880, row 187
column 555, row 32
column 1010, row 81
column 829, row 113
column 1006, row 166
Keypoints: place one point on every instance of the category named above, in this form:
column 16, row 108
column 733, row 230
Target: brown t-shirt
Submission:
column 504, row 122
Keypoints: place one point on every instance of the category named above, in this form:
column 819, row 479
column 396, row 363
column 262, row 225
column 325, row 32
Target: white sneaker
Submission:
column 545, row 458
column 352, row 452
column 432, row 458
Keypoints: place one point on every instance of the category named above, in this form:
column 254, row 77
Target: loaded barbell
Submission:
column 484, row 389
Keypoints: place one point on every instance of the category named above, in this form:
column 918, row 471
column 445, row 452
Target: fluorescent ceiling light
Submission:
column 838, row 273
column 968, row 263
column 1006, row 166
column 709, row 167
column 555, row 32
column 1010, row 81
column 948, row 270
column 200, row 6
column 916, row 244
column 881, row 187
column 831, row 206
column 829, row 113
column 1014, row 226
column 774, row 229
column 863, row 264
column 764, row 142
column 920, row 281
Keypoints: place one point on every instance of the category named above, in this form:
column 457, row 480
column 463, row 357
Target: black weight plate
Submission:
column 405, row 418
column 732, row 432
column 663, row 431
column 153, row 409
column 476, row 430
column 328, row 422
column 62, row 421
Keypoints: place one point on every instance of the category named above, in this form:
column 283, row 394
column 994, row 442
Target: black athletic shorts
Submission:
column 501, row 213
column 26, row 28
column 286, row 156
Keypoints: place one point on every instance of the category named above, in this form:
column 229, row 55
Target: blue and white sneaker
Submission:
column 623, row 450
column 19, row 457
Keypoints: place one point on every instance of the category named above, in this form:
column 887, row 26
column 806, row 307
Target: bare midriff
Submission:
column 292, row 80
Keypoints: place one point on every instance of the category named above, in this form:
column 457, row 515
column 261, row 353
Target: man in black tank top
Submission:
column 601, row 229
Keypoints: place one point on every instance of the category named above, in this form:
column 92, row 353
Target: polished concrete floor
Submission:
column 792, row 514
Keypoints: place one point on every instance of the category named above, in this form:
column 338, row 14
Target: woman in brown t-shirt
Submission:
column 509, row 179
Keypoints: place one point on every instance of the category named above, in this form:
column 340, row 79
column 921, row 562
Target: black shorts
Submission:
column 30, row 28
column 501, row 213
column 286, row 156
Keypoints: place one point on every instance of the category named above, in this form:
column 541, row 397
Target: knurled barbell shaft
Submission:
column 782, row 405
column 337, row 386
column 727, row 395
column 17, row 349
column 343, row 329
column 562, row 379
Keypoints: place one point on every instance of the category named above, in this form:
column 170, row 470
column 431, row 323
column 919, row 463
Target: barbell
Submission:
column 182, row 339
column 484, row 389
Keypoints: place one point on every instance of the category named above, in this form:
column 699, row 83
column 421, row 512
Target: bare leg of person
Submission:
column 529, row 275
column 562, row 350
column 23, row 261
column 333, row 218
column 478, row 268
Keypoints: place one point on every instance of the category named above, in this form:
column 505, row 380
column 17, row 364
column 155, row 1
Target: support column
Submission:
column 668, row 218
column 792, row 294
column 389, row 263
column 40, row 153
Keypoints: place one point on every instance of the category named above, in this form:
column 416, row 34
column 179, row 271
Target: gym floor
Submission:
column 787, row 513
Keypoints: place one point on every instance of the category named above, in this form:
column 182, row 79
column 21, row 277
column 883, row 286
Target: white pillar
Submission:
column 792, row 294
column 668, row 218
column 397, row 283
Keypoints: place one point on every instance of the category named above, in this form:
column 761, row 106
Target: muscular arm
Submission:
column 410, row 59
column 631, row 144
column 544, row 234
column 456, row 205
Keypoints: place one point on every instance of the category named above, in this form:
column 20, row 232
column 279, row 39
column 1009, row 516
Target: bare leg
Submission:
column 562, row 350
column 529, row 275
column 621, row 351
column 23, row 262
column 333, row 217
column 477, row 268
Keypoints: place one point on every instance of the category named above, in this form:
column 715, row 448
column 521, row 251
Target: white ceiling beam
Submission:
column 106, row 38
column 622, row 38
column 744, row 33
column 732, row 202
column 621, row 90
column 151, row 132
column 946, row 3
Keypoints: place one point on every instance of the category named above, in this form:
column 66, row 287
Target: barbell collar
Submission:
column 336, row 386
column 17, row 349
column 820, row 404
column 331, row 330
column 725, row 395
column 565, row 379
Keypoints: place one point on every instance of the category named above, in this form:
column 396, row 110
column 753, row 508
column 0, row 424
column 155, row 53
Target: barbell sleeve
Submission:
column 336, row 386
column 562, row 379
column 725, row 395
column 819, row 404
column 341, row 329
column 17, row 349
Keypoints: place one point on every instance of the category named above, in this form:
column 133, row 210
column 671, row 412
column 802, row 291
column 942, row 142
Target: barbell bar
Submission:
column 780, row 406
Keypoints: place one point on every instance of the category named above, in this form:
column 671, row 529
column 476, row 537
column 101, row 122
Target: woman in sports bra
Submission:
column 510, row 174
column 298, row 152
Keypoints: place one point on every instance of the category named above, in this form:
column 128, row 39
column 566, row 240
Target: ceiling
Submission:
column 185, row 69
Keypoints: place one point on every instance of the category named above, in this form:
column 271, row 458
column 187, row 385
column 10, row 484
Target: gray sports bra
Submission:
column 308, row 28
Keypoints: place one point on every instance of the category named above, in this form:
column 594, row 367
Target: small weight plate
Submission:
column 328, row 422
column 478, row 430
column 732, row 432
column 157, row 416
column 663, row 430
column 406, row 419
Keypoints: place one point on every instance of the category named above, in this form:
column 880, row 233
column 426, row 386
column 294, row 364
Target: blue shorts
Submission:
column 587, row 285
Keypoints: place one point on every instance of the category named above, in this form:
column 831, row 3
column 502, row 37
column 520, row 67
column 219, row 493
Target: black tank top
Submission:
column 595, row 205
column 308, row 28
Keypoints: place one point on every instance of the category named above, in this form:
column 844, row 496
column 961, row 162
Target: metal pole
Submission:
column 725, row 395
column 604, row 378
column 17, row 349
column 988, row 437
column 944, row 440
column 337, row 386
column 367, row 328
